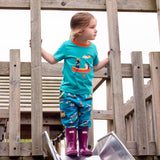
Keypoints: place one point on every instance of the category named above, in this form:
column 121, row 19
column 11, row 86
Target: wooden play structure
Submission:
column 29, row 90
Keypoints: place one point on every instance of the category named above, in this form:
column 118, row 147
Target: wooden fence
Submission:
column 16, row 109
column 136, row 123
column 140, row 114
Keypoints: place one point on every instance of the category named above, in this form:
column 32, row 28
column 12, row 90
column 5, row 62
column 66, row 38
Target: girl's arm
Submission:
column 101, row 64
column 48, row 57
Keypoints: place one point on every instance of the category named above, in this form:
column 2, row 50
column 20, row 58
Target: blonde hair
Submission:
column 78, row 22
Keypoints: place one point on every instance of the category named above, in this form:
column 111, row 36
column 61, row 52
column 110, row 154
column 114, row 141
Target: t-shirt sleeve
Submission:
column 60, row 54
column 96, row 59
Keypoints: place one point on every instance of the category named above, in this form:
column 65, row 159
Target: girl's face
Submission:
column 90, row 32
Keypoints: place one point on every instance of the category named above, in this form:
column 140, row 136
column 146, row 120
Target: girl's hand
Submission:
column 29, row 43
column 109, row 53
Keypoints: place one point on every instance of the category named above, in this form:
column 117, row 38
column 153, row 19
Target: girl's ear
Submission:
column 80, row 32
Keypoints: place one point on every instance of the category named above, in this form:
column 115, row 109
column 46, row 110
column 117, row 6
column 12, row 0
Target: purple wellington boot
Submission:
column 83, row 142
column 71, row 135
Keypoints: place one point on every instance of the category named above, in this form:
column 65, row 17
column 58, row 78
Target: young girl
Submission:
column 80, row 62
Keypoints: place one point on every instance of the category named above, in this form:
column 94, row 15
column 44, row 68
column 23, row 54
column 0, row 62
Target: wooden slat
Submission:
column 36, row 80
column 123, row 5
column 14, row 109
column 158, row 14
column 132, row 147
column 109, row 104
column 128, row 107
column 97, row 82
column 102, row 114
column 155, row 79
column 50, row 92
column 127, row 70
column 3, row 105
column 139, row 110
column 25, row 149
column 4, row 68
column 49, row 70
column 116, row 77
column 150, row 128
column 4, row 113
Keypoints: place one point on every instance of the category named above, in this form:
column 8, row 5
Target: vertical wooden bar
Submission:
column 158, row 14
column 155, row 77
column 36, row 77
column 14, row 105
column 150, row 128
column 115, row 65
column 91, row 135
column 109, row 104
column 140, row 109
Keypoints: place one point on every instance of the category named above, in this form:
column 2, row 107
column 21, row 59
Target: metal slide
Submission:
column 108, row 147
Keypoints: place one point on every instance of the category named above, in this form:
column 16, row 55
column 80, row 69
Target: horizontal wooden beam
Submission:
column 100, row 5
column 48, row 116
column 102, row 114
column 25, row 149
column 49, row 70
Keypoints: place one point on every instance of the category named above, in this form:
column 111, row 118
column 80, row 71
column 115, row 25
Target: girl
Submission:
column 80, row 62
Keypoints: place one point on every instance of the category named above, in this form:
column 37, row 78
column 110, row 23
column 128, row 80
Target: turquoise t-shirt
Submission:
column 78, row 66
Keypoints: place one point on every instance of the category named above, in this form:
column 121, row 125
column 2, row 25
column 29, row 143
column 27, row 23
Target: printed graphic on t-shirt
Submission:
column 82, row 69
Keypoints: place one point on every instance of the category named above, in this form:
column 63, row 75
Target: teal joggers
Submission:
column 75, row 110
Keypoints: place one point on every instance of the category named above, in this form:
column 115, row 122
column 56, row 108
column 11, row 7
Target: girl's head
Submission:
column 79, row 22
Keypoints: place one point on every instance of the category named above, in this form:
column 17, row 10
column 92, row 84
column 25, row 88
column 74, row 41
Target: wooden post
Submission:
column 155, row 77
column 36, row 77
column 109, row 104
column 116, row 74
column 140, row 109
column 91, row 135
column 158, row 14
column 14, row 105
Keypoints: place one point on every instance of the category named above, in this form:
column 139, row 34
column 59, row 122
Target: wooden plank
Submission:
column 116, row 77
column 109, row 104
column 4, row 113
column 132, row 147
column 97, row 114
column 36, row 80
column 127, row 70
column 128, row 107
column 91, row 134
column 123, row 5
column 150, row 127
column 158, row 14
column 25, row 149
column 4, row 68
column 14, row 109
column 28, row 106
column 102, row 114
column 155, row 79
column 26, row 118
column 97, row 82
column 139, row 110
column 49, row 70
